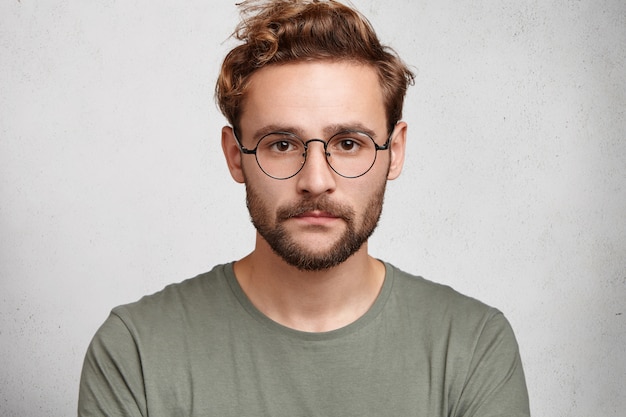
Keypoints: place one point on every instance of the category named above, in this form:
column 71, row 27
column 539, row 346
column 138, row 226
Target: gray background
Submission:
column 112, row 182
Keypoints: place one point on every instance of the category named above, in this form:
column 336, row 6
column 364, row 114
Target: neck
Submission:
column 312, row 301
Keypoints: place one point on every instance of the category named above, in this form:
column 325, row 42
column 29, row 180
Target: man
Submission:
column 308, row 324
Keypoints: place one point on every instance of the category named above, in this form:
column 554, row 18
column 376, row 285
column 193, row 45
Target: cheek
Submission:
column 269, row 191
column 249, row 168
column 366, row 193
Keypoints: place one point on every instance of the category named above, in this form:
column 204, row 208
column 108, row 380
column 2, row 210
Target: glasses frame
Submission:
column 377, row 148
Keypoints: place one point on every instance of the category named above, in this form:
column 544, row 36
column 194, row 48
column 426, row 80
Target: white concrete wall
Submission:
column 112, row 182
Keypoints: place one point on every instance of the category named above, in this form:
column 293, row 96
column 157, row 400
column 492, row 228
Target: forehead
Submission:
column 314, row 95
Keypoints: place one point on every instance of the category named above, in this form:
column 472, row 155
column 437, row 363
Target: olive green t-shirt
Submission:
column 200, row 348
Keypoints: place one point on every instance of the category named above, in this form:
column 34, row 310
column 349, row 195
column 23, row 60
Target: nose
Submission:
column 316, row 176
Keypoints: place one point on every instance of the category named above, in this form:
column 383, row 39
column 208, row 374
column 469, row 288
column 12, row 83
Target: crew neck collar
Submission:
column 274, row 326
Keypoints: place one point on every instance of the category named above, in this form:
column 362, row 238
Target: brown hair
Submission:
column 282, row 31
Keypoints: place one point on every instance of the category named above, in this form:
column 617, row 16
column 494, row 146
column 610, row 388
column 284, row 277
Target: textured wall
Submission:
column 112, row 182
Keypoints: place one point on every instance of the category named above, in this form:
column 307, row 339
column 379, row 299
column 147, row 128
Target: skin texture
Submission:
column 310, row 269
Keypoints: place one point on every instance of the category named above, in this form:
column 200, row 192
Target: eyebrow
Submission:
column 329, row 130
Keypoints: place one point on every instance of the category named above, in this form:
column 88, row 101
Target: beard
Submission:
column 271, row 228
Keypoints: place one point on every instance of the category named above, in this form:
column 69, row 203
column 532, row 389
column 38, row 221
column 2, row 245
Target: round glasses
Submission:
column 281, row 155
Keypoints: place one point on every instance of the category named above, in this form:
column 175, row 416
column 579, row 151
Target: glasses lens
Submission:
column 351, row 154
column 280, row 155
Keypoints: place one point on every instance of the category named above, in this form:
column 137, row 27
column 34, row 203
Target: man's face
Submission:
column 316, row 219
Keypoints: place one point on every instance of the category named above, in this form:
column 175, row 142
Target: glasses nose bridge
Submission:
column 324, row 144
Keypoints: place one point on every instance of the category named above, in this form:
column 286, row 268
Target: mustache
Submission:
column 298, row 208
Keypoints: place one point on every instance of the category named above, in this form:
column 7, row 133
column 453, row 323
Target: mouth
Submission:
column 316, row 214
column 316, row 218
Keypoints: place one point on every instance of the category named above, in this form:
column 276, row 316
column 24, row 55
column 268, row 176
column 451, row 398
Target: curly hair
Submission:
column 283, row 31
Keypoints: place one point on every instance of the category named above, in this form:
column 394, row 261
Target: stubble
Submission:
column 271, row 226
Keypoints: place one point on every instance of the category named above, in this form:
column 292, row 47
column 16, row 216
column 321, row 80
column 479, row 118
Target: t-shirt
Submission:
column 201, row 348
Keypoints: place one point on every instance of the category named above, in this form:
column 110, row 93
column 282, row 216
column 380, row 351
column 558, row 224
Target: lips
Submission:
column 316, row 218
column 317, row 214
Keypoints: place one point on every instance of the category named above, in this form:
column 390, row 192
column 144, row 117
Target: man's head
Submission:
column 314, row 102
column 275, row 32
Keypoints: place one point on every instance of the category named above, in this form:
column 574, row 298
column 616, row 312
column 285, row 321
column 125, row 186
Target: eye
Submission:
column 280, row 144
column 347, row 145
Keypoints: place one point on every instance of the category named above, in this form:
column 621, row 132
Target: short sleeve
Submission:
column 495, row 385
column 111, row 381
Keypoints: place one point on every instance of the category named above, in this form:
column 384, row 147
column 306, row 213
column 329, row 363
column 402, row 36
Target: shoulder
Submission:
column 439, row 309
column 178, row 305
column 420, row 291
column 455, row 328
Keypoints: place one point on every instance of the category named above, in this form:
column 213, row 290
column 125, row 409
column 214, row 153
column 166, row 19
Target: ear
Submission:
column 396, row 151
column 232, row 154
